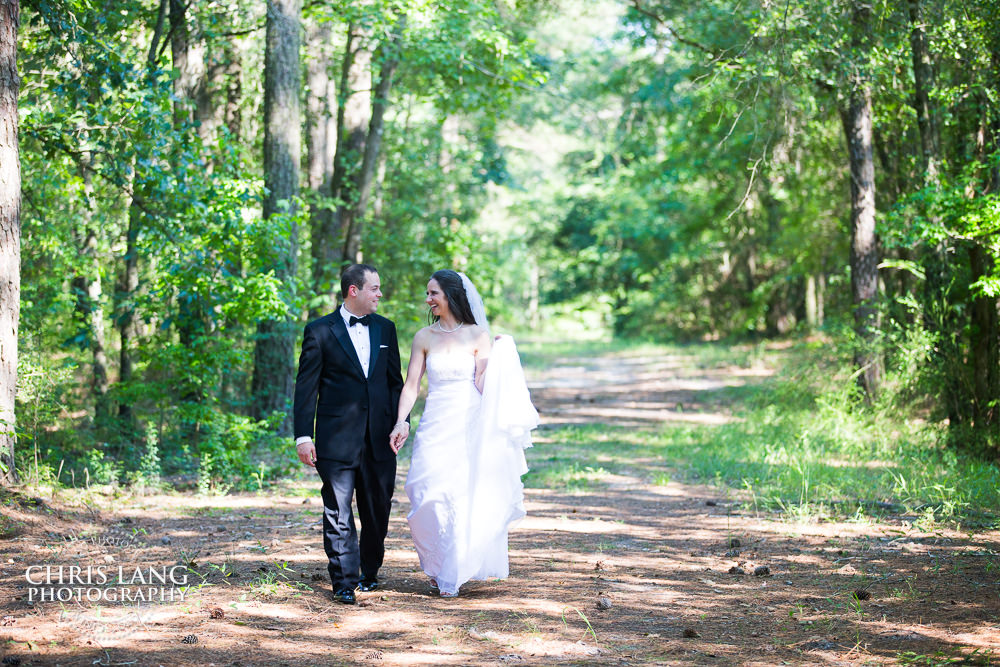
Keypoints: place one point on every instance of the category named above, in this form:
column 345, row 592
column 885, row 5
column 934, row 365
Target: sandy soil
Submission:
column 627, row 572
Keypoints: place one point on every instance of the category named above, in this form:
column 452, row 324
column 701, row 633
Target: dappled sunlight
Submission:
column 873, row 465
column 621, row 391
column 660, row 556
column 627, row 416
column 616, row 562
column 591, row 526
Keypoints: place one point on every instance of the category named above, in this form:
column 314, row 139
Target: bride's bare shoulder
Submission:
column 421, row 336
column 480, row 337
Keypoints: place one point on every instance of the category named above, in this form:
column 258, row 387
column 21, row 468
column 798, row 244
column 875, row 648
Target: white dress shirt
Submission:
column 359, row 336
column 362, row 345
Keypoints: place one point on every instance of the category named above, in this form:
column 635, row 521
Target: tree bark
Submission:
column 923, row 80
column 812, row 309
column 179, row 59
column 189, row 89
column 321, row 120
column 984, row 353
column 10, row 234
column 857, row 120
column 353, row 112
column 207, row 112
column 353, row 118
column 351, row 223
column 89, row 295
column 154, row 43
column 939, row 313
column 192, row 103
column 273, row 379
column 321, row 145
column 232, row 116
column 821, row 299
column 125, row 307
column 984, row 356
column 128, row 278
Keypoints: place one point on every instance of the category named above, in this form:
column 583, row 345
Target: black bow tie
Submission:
column 359, row 320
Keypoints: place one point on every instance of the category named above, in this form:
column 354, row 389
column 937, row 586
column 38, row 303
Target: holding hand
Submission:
column 397, row 438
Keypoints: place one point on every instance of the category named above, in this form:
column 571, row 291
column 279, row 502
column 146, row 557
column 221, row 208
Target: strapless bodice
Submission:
column 444, row 367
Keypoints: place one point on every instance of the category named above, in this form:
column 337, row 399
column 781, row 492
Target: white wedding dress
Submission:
column 464, row 482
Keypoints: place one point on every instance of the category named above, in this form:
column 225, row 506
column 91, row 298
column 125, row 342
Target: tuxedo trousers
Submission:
column 351, row 558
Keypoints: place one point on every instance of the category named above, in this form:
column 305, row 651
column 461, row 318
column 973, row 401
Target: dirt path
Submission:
column 627, row 572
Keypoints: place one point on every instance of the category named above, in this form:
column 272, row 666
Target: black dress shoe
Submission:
column 368, row 585
column 345, row 595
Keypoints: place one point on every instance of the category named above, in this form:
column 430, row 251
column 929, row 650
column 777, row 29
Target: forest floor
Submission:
column 631, row 568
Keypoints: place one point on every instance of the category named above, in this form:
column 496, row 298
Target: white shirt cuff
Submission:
column 302, row 438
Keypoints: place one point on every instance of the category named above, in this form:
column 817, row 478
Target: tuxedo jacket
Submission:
column 334, row 402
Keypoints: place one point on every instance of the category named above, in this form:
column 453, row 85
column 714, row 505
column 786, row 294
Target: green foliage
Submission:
column 655, row 171
column 711, row 202
column 801, row 443
column 43, row 384
column 101, row 469
column 148, row 473
column 106, row 153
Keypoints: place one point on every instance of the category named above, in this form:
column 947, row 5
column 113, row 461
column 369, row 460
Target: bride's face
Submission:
column 436, row 299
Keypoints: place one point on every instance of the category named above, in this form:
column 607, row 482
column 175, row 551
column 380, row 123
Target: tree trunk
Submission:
column 983, row 353
column 232, row 116
column 821, row 299
column 353, row 113
column 378, row 202
column 186, row 101
column 940, row 316
column 923, row 79
column 207, row 112
column 179, row 59
column 857, row 120
column 353, row 118
column 812, row 308
column 321, row 121
column 128, row 279
column 351, row 223
column 274, row 362
column 10, row 234
column 154, row 42
column 89, row 293
column 125, row 308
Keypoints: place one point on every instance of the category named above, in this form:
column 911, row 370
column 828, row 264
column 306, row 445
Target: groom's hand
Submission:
column 307, row 453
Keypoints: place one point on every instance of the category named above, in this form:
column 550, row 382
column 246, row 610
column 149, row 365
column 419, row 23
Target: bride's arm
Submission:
column 483, row 346
column 408, row 395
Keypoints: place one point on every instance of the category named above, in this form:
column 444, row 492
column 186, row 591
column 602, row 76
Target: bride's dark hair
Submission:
column 454, row 291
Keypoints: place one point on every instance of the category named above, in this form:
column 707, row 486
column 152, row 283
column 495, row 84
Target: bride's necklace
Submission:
column 443, row 330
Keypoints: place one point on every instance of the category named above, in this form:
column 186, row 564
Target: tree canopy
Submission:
column 676, row 170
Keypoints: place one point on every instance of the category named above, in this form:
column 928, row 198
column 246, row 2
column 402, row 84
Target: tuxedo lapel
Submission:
column 374, row 338
column 344, row 338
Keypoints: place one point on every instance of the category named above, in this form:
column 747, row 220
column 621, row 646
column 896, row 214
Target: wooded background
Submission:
column 195, row 174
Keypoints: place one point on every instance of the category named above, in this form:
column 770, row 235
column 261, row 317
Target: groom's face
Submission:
column 366, row 299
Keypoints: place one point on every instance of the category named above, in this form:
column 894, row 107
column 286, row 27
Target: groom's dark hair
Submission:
column 354, row 275
column 454, row 290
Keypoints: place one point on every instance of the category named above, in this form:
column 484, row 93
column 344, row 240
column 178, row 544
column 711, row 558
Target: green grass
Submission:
column 803, row 445
column 566, row 473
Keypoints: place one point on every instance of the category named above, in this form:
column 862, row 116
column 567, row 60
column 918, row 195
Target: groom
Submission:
column 346, row 395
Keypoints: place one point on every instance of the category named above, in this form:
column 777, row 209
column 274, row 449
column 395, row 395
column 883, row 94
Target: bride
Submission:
column 464, row 482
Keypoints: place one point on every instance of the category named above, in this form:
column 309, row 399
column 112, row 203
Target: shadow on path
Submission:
column 622, row 572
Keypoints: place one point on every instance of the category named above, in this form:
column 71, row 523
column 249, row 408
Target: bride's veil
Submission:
column 475, row 302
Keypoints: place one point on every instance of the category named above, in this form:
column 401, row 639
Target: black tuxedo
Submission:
column 349, row 418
